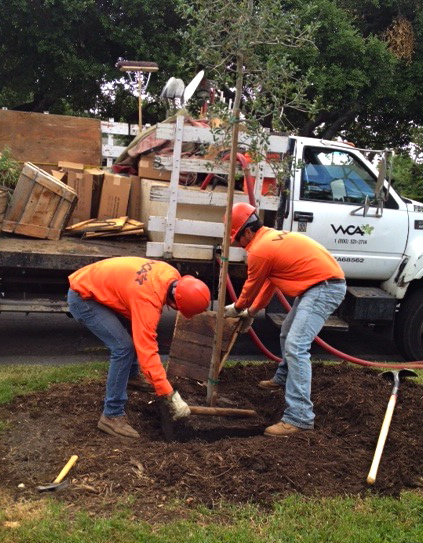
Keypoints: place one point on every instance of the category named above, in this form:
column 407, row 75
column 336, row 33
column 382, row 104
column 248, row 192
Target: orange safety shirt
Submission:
column 289, row 261
column 136, row 288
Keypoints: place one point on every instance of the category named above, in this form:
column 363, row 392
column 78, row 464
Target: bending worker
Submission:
column 302, row 269
column 104, row 296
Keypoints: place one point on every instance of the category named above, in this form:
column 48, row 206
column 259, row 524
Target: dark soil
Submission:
column 214, row 459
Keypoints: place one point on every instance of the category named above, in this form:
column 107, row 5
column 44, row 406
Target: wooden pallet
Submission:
column 192, row 345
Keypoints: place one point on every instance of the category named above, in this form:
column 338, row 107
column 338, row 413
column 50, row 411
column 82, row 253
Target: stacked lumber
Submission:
column 96, row 228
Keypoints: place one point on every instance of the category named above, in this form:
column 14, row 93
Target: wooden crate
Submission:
column 41, row 205
column 4, row 198
column 191, row 350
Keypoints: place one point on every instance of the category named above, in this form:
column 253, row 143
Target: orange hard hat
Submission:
column 241, row 212
column 192, row 296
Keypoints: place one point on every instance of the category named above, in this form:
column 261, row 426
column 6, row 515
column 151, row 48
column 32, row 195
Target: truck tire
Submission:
column 408, row 331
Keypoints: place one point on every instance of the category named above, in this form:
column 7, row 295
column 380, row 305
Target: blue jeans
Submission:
column 302, row 324
column 108, row 326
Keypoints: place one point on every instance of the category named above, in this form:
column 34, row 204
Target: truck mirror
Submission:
column 366, row 205
column 381, row 176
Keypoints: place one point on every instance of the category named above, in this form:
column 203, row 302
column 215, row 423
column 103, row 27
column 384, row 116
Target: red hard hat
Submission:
column 192, row 296
column 241, row 212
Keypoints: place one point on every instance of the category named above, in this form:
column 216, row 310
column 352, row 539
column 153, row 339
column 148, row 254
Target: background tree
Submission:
column 408, row 168
column 245, row 46
column 363, row 72
column 56, row 55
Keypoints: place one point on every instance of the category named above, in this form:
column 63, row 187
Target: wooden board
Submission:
column 46, row 139
column 192, row 345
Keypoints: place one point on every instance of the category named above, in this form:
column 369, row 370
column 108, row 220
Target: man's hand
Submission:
column 177, row 406
column 247, row 321
column 230, row 311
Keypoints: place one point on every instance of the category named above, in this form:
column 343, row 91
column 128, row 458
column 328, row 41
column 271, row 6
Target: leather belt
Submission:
column 333, row 280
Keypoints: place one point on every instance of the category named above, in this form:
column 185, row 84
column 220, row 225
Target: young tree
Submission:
column 245, row 45
column 246, row 48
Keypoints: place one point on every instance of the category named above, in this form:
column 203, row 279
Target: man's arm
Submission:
column 145, row 320
column 256, row 284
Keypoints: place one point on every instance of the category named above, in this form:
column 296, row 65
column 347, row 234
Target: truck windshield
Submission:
column 337, row 176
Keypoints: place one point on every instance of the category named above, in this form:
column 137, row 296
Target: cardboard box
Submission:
column 134, row 205
column 149, row 168
column 83, row 186
column 114, row 196
column 96, row 176
column 70, row 166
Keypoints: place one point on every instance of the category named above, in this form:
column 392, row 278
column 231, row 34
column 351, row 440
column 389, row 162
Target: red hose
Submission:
column 416, row 365
column 320, row 342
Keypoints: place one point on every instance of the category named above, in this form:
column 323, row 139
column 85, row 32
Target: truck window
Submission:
column 336, row 176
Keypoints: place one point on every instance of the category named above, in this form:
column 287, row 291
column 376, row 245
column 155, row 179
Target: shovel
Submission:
column 59, row 482
column 395, row 376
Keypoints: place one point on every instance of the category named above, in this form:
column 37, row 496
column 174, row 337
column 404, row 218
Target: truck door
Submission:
column 330, row 185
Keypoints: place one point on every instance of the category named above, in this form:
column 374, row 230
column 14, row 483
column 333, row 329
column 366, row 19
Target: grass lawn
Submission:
column 365, row 519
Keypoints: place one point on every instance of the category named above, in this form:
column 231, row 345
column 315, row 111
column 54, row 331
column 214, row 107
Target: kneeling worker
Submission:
column 104, row 295
column 302, row 269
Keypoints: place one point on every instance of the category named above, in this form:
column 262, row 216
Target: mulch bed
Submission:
column 214, row 459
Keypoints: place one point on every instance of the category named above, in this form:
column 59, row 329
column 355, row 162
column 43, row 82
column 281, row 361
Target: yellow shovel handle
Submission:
column 371, row 478
column 66, row 469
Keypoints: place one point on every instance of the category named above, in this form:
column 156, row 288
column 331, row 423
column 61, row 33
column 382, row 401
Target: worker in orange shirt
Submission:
column 302, row 269
column 104, row 295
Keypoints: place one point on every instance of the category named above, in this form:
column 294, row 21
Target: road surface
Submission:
column 59, row 339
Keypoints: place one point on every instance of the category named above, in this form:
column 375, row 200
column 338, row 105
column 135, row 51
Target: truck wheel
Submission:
column 408, row 331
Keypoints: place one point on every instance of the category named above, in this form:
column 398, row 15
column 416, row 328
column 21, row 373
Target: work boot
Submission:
column 269, row 385
column 140, row 383
column 117, row 426
column 282, row 429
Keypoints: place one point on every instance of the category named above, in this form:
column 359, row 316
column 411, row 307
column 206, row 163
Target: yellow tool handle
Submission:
column 66, row 469
column 371, row 478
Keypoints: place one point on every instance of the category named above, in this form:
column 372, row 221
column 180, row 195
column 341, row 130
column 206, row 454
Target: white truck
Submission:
column 332, row 194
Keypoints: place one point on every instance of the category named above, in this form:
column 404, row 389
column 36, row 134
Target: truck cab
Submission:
column 337, row 197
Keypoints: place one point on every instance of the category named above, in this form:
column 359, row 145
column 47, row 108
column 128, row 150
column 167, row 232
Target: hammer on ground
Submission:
column 395, row 376
column 59, row 482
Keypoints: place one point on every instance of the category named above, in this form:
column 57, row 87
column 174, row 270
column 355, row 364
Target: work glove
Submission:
column 230, row 311
column 247, row 321
column 177, row 407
